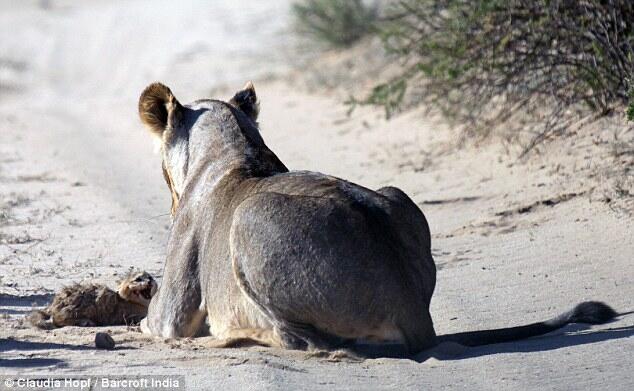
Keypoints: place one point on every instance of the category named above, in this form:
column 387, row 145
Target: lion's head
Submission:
column 199, row 130
column 138, row 287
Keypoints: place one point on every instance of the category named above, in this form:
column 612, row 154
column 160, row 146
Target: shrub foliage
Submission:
column 485, row 60
column 335, row 23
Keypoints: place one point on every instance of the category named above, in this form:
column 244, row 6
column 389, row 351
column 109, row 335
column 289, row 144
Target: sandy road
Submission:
column 82, row 197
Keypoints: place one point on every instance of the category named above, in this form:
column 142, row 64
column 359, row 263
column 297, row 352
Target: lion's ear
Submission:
column 124, row 291
column 247, row 101
column 158, row 107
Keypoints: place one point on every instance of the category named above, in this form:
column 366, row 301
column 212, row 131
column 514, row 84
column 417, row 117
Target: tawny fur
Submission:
column 155, row 106
column 299, row 260
column 97, row 305
column 247, row 101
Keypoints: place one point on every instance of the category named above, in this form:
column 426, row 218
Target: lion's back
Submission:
column 328, row 253
column 386, row 212
column 82, row 302
column 307, row 221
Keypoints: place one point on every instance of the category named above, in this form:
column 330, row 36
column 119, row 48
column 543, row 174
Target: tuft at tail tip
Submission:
column 592, row 312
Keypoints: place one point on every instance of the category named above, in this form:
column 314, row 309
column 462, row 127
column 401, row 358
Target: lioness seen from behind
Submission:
column 298, row 260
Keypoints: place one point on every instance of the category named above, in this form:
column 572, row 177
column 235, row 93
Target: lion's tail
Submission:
column 41, row 319
column 589, row 312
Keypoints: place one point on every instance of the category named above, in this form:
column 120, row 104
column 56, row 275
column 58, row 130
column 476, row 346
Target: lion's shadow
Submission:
column 573, row 335
column 37, row 362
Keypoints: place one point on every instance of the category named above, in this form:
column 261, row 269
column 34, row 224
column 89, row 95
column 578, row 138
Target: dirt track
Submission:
column 81, row 196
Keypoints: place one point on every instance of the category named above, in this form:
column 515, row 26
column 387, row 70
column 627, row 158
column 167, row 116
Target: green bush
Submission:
column 482, row 61
column 335, row 23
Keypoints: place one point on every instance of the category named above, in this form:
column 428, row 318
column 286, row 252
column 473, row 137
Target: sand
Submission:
column 82, row 198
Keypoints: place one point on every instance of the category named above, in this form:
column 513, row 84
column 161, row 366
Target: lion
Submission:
column 290, row 259
column 90, row 305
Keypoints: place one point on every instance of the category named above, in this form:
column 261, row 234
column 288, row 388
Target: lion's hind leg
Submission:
column 238, row 338
column 286, row 333
column 301, row 336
